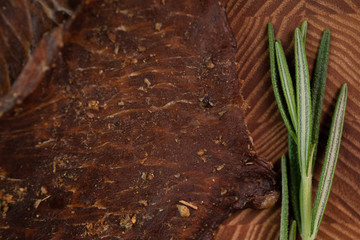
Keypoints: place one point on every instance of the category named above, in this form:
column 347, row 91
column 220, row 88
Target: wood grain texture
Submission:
column 248, row 20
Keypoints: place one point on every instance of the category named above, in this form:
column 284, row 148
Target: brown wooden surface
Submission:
column 248, row 20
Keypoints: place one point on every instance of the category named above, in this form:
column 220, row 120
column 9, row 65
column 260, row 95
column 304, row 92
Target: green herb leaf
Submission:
column 294, row 180
column 331, row 156
column 284, row 201
column 303, row 102
column 275, row 79
column 304, row 26
column 292, row 233
column 318, row 86
column 286, row 82
column 304, row 132
column 312, row 156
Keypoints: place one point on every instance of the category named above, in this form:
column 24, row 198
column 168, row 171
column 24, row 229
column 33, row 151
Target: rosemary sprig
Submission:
column 305, row 110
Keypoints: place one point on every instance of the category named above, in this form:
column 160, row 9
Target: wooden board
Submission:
column 248, row 20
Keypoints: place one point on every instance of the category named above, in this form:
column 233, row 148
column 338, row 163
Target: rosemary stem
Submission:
column 306, row 206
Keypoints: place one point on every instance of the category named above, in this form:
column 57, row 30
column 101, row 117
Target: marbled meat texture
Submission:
column 135, row 132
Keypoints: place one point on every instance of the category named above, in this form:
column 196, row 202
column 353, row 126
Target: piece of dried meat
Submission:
column 135, row 132
column 23, row 23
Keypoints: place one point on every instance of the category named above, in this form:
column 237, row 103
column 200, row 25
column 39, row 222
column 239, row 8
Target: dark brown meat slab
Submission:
column 22, row 25
column 141, row 109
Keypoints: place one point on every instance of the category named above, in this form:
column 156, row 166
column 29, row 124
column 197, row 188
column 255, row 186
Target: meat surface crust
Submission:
column 135, row 131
